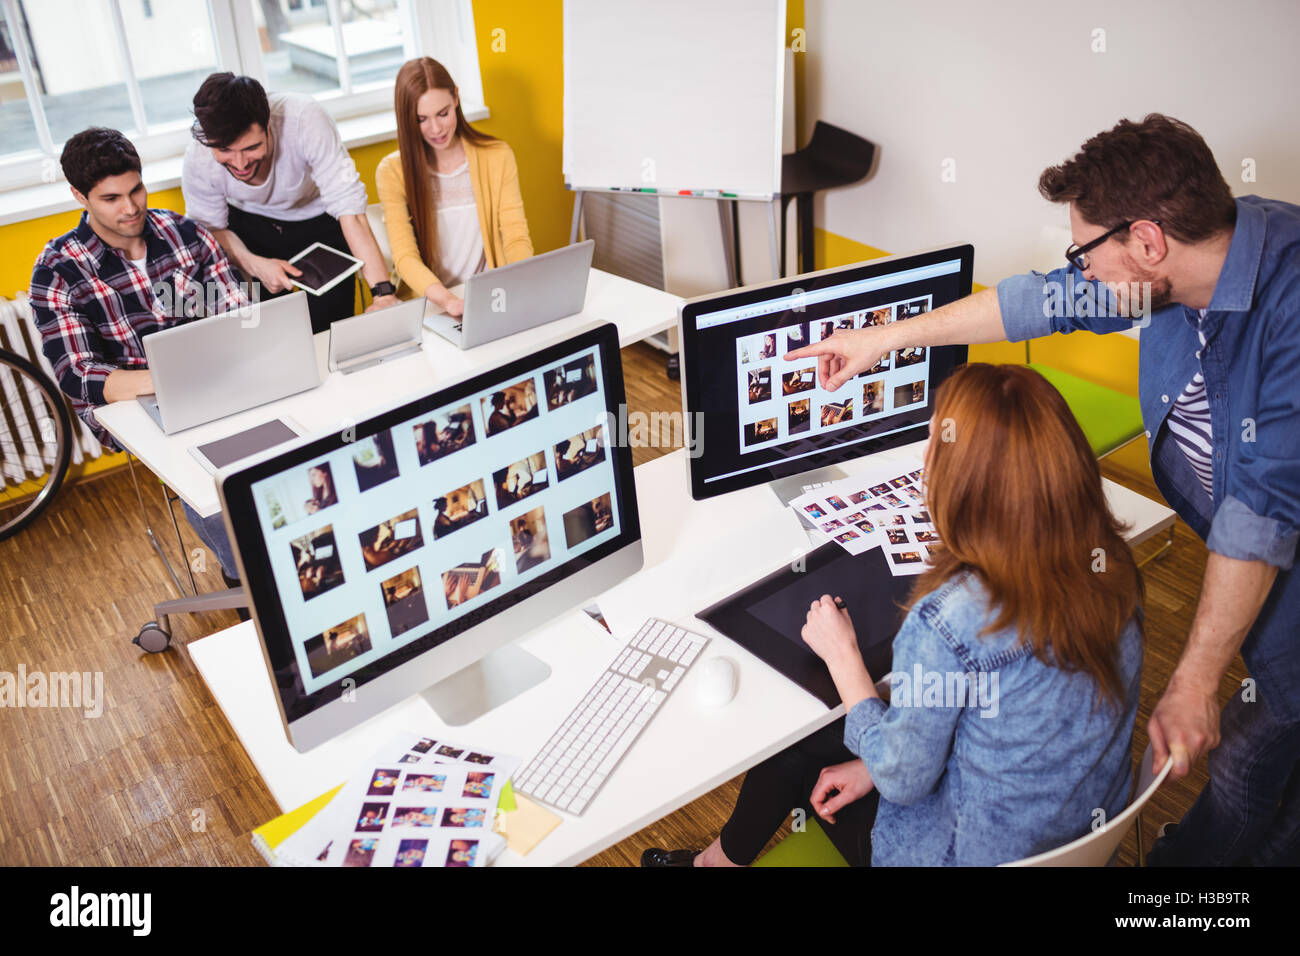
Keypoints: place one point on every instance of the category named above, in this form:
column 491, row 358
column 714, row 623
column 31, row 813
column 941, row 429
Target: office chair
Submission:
column 833, row 157
column 1100, row 847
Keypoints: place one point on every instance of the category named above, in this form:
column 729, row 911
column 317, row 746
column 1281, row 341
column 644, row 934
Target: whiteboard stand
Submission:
column 729, row 228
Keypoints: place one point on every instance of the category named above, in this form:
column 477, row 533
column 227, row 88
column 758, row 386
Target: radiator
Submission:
column 18, row 334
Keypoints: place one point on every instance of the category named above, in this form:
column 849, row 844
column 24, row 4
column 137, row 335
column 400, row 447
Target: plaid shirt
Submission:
column 93, row 307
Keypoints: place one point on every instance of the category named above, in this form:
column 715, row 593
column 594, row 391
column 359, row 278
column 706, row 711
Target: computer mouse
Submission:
column 716, row 682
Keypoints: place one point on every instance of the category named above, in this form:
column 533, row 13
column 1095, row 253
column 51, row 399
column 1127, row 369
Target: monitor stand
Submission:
column 788, row 489
column 471, row 692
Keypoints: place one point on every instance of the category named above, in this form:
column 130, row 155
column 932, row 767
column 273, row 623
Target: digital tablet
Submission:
column 766, row 617
column 215, row 455
column 323, row 267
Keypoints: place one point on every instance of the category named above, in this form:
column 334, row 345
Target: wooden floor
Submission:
column 160, row 778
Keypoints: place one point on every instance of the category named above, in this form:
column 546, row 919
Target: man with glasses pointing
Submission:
column 1219, row 286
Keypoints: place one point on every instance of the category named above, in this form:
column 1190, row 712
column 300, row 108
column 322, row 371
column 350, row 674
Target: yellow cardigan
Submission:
column 495, row 179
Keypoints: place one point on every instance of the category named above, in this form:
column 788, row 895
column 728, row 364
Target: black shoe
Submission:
column 674, row 368
column 658, row 858
column 235, row 583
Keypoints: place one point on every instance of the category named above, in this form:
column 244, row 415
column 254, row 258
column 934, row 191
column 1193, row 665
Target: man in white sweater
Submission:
column 269, row 176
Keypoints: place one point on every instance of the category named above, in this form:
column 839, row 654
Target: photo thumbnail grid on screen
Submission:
column 392, row 536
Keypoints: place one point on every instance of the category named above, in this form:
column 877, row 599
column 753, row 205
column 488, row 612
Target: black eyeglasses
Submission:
column 1075, row 254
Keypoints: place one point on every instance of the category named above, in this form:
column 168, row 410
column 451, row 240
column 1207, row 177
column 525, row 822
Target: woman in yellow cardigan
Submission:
column 450, row 193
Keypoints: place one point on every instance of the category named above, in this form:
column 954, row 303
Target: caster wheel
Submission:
column 674, row 367
column 153, row 638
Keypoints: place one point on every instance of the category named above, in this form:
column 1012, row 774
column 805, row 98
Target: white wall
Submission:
column 1006, row 89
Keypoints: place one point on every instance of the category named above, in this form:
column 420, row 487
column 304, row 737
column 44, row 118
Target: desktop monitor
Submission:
column 418, row 544
column 763, row 419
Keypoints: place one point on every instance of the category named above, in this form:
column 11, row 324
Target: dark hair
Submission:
column 1157, row 169
column 226, row 106
column 95, row 154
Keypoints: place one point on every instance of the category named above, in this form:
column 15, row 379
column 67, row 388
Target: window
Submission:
column 134, row 64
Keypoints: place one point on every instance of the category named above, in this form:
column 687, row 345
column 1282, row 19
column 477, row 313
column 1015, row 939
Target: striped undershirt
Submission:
column 1189, row 421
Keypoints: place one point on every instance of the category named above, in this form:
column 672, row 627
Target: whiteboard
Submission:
column 674, row 95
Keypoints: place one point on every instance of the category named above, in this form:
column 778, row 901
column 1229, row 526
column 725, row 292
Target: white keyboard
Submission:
column 570, row 769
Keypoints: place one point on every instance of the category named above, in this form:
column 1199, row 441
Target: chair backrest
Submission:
column 375, row 215
column 1096, row 848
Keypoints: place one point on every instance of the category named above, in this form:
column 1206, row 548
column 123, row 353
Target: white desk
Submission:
column 695, row 553
column 638, row 310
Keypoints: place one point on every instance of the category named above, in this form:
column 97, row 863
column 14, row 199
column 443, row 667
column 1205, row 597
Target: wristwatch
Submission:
column 383, row 288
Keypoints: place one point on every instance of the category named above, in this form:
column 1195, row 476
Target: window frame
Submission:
column 443, row 29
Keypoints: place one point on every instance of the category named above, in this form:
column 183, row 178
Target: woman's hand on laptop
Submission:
column 275, row 274
column 838, row 786
column 845, row 354
column 445, row 299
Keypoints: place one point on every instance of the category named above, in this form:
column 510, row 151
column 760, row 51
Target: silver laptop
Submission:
column 214, row 367
column 366, row 340
column 522, row 295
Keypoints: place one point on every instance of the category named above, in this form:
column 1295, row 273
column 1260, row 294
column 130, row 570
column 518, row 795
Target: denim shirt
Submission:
column 1025, row 761
column 1249, row 362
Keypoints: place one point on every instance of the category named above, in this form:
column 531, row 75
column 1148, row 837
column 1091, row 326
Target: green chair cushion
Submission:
column 809, row 847
column 1107, row 417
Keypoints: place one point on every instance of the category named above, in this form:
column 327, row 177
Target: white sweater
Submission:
column 311, row 171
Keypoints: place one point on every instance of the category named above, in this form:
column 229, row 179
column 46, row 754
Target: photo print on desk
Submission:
column 459, row 507
column 510, row 406
column 389, row 540
column 372, row 817
column 471, row 818
column 316, row 558
column 375, row 460
column 461, row 853
column 569, row 382
column 582, row 451
column 521, row 479
column 337, row 645
column 447, row 431
column 529, row 540
column 425, row 782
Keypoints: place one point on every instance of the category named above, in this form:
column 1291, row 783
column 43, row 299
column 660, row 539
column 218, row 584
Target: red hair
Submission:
column 414, row 79
column 1016, row 497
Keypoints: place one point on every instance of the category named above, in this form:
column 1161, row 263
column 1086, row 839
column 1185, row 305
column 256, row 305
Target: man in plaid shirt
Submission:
column 124, row 272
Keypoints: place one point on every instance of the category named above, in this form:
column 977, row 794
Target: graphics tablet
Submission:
column 766, row 617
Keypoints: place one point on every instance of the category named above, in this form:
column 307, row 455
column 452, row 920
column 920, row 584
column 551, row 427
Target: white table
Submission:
column 695, row 553
column 638, row 310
